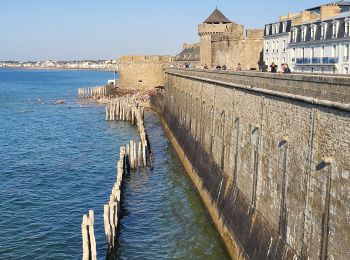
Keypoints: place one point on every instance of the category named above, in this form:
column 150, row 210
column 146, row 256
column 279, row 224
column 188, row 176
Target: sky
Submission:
column 107, row 29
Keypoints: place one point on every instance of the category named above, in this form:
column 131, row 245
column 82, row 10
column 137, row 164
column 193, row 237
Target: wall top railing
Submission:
column 331, row 91
column 317, row 60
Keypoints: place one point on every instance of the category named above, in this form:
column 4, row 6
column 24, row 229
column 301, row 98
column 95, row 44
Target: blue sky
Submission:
column 107, row 29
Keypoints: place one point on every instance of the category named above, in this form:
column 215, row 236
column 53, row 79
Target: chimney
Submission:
column 305, row 16
column 328, row 11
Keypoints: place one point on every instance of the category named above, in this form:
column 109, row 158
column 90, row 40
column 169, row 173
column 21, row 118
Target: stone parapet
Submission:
column 328, row 88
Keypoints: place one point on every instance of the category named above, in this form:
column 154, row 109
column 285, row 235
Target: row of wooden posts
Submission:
column 94, row 92
column 128, row 109
column 88, row 234
column 111, row 211
column 131, row 156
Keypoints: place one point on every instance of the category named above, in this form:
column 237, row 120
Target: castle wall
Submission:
column 269, row 156
column 231, row 49
column 205, row 50
column 142, row 72
column 229, row 44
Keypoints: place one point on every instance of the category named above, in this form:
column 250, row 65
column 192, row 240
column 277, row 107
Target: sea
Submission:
column 59, row 161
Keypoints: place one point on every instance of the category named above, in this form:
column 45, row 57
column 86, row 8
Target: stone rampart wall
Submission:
column 270, row 156
column 142, row 72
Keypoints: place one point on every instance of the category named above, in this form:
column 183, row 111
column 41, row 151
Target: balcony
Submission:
column 317, row 60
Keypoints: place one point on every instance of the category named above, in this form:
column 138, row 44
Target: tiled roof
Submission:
column 217, row 17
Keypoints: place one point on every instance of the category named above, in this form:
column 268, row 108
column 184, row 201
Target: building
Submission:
column 223, row 42
column 313, row 41
column 322, row 45
column 276, row 40
column 189, row 54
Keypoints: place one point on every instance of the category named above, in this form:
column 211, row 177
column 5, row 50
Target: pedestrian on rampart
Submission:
column 239, row 67
column 273, row 67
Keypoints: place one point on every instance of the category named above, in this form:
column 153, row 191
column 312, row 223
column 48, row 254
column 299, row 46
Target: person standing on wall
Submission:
column 273, row 67
column 286, row 69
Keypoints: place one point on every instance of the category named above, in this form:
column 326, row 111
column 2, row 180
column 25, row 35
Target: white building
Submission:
column 276, row 40
column 315, row 41
column 322, row 45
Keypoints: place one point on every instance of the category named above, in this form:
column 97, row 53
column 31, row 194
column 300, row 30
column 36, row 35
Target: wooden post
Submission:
column 111, row 221
column 139, row 155
column 85, row 235
column 92, row 236
column 107, row 224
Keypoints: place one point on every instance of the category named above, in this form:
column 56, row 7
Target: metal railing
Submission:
column 317, row 60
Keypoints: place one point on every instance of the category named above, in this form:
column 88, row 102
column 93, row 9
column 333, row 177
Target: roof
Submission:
column 191, row 53
column 339, row 3
column 217, row 17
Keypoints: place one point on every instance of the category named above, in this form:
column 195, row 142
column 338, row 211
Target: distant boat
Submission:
column 59, row 102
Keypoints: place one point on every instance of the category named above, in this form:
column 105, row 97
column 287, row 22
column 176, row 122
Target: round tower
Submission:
column 216, row 23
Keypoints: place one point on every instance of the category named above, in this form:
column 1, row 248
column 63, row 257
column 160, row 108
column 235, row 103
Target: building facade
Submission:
column 313, row 41
column 322, row 45
column 276, row 41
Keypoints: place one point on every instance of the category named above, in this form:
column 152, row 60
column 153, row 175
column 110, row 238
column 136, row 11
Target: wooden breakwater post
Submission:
column 111, row 211
column 128, row 109
column 95, row 92
column 88, row 235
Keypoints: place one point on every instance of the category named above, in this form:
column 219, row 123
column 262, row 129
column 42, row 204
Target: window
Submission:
column 294, row 34
column 312, row 69
column 334, row 51
column 313, row 29
column 277, row 46
column 303, row 53
column 284, row 46
column 284, row 27
column 303, row 33
column 312, row 52
column 335, row 26
column 277, row 28
column 267, row 32
column 346, row 70
column 322, row 51
column 267, row 46
column 283, row 60
column 346, row 52
column 322, row 70
column 323, row 31
column 293, row 54
column 273, row 46
column 347, row 26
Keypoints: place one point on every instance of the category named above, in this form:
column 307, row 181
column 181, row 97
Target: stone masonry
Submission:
column 270, row 156
column 142, row 72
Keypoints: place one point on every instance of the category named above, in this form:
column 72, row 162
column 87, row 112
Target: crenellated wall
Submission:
column 269, row 155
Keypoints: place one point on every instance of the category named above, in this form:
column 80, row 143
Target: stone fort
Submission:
column 224, row 42
column 221, row 42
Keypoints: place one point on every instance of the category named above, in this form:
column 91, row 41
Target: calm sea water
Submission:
column 57, row 162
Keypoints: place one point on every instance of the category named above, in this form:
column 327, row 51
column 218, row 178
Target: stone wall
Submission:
column 233, row 48
column 270, row 156
column 142, row 72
